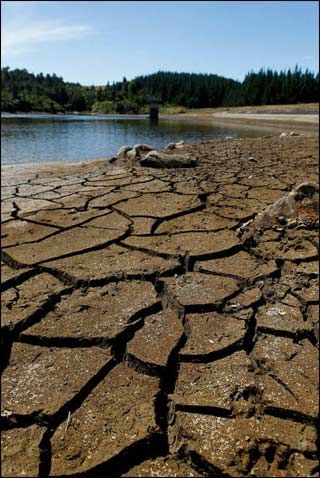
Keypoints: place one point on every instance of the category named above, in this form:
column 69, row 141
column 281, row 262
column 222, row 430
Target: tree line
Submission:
column 23, row 91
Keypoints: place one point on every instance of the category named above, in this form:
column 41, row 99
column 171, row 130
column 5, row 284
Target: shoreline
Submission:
column 301, row 124
column 287, row 109
column 22, row 170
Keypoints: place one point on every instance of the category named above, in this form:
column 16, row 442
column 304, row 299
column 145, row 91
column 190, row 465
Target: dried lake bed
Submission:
column 142, row 334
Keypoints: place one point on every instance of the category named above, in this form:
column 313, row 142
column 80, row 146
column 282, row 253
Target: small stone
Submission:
column 292, row 223
column 281, row 220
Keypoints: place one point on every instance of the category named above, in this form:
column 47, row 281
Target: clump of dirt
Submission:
column 300, row 207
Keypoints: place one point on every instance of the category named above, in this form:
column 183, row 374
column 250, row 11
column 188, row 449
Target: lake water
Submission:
column 34, row 138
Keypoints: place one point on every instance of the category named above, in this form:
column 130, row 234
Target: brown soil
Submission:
column 143, row 334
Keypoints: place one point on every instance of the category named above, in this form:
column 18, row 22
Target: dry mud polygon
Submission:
column 142, row 335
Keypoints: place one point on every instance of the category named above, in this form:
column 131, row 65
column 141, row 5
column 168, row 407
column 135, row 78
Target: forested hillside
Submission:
column 24, row 91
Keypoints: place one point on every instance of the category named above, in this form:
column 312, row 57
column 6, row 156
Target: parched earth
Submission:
column 142, row 335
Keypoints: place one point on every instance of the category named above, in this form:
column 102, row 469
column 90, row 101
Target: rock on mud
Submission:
column 157, row 159
column 143, row 148
column 133, row 152
column 179, row 144
column 301, row 205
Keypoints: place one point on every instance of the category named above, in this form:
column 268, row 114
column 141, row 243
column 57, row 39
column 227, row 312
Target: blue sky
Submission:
column 92, row 42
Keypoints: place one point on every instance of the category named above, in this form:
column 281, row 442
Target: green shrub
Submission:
column 103, row 107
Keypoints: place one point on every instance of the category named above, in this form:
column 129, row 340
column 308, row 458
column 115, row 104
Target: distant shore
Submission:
column 181, row 111
column 302, row 123
column 303, row 118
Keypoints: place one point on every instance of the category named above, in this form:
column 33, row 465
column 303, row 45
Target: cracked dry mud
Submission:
column 142, row 335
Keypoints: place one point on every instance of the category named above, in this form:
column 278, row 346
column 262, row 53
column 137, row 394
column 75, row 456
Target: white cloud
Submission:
column 15, row 40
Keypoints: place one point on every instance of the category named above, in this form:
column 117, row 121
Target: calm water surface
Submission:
column 30, row 138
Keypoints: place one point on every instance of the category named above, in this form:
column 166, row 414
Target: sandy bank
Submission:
column 302, row 117
column 303, row 123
